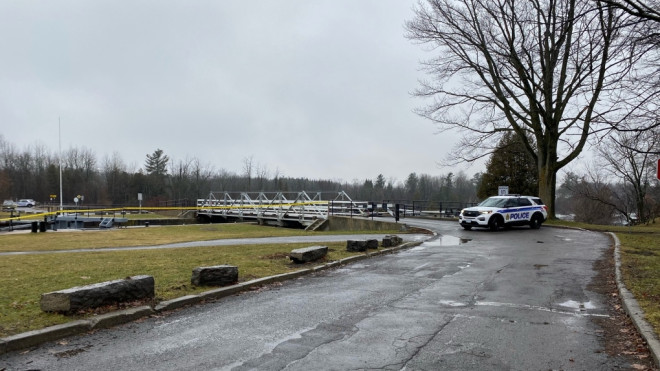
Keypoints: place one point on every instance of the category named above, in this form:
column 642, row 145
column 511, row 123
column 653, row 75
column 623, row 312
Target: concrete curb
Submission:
column 632, row 307
column 119, row 317
column 52, row 333
column 36, row 337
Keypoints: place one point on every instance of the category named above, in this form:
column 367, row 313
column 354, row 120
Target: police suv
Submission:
column 503, row 211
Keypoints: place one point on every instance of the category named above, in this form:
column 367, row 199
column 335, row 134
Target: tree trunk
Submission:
column 640, row 195
column 547, row 184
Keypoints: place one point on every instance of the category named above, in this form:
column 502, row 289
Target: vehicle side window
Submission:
column 524, row 202
column 510, row 203
column 538, row 201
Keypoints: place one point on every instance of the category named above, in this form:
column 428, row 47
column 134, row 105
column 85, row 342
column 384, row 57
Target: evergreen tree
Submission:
column 156, row 169
column 367, row 190
column 510, row 165
column 380, row 181
column 411, row 186
column 156, row 163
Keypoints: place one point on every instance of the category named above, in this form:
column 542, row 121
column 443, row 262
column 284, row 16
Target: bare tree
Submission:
column 546, row 70
column 80, row 174
column 262, row 176
column 202, row 175
column 647, row 10
column 653, row 202
column 628, row 157
column 248, row 164
column 8, row 164
column 180, row 179
column 116, row 183
column 465, row 189
column 592, row 200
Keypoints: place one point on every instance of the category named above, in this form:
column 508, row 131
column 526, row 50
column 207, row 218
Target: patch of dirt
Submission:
column 419, row 230
column 620, row 336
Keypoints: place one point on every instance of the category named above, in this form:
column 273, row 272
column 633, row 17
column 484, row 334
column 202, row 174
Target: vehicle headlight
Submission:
column 487, row 212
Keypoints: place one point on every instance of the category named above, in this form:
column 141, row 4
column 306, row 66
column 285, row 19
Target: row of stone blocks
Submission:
column 312, row 253
column 128, row 289
column 143, row 287
column 364, row 245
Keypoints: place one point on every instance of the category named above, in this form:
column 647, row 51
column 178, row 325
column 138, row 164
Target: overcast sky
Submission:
column 317, row 89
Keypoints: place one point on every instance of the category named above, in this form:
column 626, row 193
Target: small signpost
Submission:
column 502, row 190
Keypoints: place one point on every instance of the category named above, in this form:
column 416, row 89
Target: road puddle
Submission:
column 448, row 241
column 577, row 305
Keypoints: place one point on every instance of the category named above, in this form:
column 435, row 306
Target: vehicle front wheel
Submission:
column 494, row 223
column 536, row 221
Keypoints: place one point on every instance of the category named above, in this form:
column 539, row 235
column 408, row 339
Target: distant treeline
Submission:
column 35, row 173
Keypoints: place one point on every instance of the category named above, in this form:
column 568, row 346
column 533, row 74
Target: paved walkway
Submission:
column 232, row 241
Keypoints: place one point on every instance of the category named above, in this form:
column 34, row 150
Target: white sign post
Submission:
column 502, row 190
column 140, row 199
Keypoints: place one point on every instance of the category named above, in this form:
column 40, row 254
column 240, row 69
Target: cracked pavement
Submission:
column 516, row 299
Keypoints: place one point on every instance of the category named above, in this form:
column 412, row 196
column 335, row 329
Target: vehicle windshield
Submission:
column 493, row 202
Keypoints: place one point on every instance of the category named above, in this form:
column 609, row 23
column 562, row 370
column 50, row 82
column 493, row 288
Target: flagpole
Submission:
column 59, row 123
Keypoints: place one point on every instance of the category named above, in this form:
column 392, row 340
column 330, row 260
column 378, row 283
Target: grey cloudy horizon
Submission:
column 315, row 89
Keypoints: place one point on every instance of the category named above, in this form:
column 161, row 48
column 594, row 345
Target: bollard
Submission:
column 42, row 226
column 146, row 224
column 34, row 227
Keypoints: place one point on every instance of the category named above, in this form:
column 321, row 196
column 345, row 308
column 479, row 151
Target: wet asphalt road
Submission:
column 467, row 300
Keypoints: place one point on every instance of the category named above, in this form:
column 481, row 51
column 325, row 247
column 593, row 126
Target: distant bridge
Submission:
column 290, row 209
column 300, row 209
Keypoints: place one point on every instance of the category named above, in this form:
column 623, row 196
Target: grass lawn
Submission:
column 155, row 235
column 640, row 264
column 640, row 267
column 26, row 277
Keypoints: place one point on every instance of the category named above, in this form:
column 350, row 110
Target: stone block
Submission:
column 308, row 254
column 99, row 294
column 218, row 275
column 356, row 245
column 391, row 240
column 372, row 244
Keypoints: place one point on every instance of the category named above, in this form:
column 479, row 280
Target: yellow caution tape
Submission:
column 135, row 208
